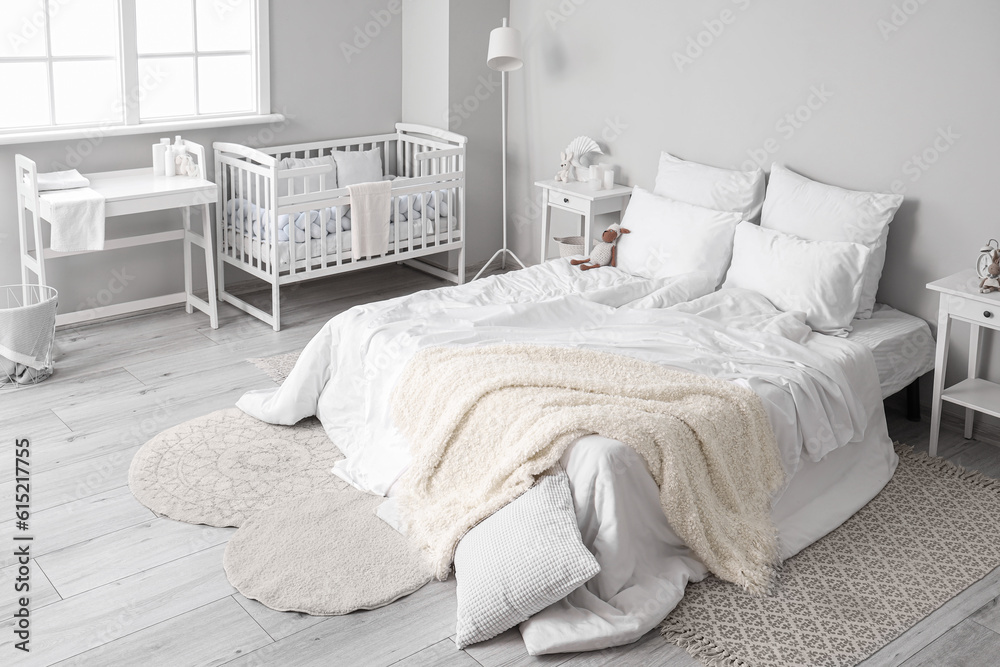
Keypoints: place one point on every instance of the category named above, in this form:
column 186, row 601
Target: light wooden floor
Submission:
column 115, row 585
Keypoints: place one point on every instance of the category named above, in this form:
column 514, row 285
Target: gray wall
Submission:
column 323, row 94
column 897, row 81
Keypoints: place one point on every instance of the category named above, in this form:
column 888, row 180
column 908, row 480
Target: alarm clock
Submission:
column 986, row 257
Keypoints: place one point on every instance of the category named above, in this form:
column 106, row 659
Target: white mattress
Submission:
column 902, row 345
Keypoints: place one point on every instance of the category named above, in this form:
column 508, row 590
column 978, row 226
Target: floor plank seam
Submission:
column 151, row 518
column 152, row 567
column 117, row 639
column 245, row 611
column 986, row 627
column 48, row 579
column 82, row 498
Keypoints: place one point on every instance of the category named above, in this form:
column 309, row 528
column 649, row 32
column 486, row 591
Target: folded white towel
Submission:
column 77, row 218
column 370, row 206
column 62, row 180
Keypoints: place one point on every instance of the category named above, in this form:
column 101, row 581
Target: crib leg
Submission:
column 461, row 265
column 209, row 249
column 276, row 305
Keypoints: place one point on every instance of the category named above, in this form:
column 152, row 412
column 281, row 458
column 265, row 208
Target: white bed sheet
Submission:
column 902, row 345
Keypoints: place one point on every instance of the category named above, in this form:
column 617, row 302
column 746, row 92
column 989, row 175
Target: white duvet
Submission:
column 820, row 394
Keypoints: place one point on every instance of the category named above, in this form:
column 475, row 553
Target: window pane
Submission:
column 225, row 83
column 22, row 25
column 164, row 26
column 84, row 28
column 86, row 92
column 30, row 106
column 170, row 91
column 224, row 26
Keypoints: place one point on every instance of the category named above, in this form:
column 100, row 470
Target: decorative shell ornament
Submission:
column 581, row 151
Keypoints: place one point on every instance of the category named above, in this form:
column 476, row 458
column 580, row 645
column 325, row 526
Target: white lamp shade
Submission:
column 505, row 54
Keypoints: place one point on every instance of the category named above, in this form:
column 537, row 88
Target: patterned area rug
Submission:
column 225, row 467
column 277, row 367
column 930, row 534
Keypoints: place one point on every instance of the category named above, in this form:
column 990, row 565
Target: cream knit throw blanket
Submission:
column 484, row 421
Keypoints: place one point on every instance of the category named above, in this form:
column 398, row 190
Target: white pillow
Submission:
column 669, row 238
column 711, row 187
column 519, row 561
column 822, row 279
column 802, row 207
column 355, row 167
column 312, row 181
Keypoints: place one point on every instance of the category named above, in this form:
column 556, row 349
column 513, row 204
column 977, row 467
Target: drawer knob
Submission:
column 987, row 314
column 565, row 200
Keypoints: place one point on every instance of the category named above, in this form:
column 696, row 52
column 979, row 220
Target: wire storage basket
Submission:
column 569, row 246
column 27, row 333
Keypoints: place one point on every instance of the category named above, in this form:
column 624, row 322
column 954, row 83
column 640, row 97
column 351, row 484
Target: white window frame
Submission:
column 128, row 59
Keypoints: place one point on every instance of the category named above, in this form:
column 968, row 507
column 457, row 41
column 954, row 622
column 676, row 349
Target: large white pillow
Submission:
column 710, row 187
column 355, row 167
column 822, row 279
column 810, row 210
column 670, row 238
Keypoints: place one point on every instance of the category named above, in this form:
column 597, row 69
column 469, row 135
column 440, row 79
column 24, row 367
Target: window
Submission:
column 80, row 64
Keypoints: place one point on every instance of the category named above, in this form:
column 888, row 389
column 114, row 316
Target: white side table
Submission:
column 578, row 198
column 960, row 300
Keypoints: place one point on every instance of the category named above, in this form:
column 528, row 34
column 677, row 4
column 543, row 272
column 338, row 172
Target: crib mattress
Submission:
column 902, row 345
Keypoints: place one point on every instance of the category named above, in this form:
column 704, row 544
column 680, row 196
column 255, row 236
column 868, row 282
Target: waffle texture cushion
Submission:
column 519, row 561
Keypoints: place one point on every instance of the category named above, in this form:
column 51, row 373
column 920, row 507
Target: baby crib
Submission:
column 283, row 218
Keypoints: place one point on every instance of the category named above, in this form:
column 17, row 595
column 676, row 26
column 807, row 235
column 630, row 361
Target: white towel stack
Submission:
column 76, row 211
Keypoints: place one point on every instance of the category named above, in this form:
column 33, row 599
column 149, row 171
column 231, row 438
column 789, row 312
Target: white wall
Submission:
column 448, row 84
column 425, row 61
column 893, row 84
column 328, row 77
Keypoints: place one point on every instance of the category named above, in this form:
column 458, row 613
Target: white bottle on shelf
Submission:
column 170, row 161
column 160, row 157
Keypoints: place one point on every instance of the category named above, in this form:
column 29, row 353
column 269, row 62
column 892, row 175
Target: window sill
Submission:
column 38, row 136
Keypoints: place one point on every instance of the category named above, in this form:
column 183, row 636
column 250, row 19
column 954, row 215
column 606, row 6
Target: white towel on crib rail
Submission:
column 371, row 203
column 77, row 219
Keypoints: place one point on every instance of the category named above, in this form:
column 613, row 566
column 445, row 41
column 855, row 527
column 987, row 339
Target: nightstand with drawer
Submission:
column 960, row 299
column 579, row 199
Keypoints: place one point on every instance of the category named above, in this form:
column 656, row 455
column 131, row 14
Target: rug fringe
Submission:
column 700, row 647
column 948, row 468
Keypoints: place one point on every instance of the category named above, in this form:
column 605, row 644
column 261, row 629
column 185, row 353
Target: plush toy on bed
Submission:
column 605, row 252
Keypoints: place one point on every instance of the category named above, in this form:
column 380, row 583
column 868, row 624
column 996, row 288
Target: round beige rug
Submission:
column 223, row 468
column 327, row 555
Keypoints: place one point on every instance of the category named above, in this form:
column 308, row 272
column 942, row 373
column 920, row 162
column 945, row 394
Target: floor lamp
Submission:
column 504, row 56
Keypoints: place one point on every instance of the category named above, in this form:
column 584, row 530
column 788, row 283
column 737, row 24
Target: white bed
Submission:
column 347, row 372
column 902, row 345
